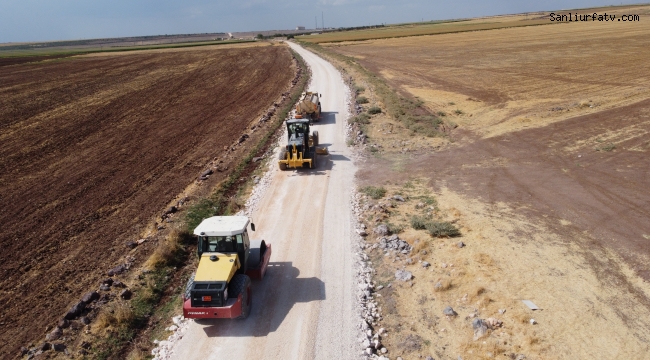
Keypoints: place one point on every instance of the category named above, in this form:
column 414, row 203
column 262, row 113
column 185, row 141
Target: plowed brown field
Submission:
column 92, row 149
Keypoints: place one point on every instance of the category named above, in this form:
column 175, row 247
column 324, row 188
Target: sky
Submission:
column 47, row 20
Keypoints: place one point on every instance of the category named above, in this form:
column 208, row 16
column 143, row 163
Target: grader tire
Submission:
column 283, row 156
column 315, row 137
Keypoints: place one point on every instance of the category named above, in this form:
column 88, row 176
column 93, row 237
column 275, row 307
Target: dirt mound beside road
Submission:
column 92, row 149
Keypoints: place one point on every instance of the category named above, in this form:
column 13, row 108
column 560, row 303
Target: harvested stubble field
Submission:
column 94, row 148
column 546, row 176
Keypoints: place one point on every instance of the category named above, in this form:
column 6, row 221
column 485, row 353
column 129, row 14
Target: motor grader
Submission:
column 309, row 106
column 301, row 148
column 228, row 259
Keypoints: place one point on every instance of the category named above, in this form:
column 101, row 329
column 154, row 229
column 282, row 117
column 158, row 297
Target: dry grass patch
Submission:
column 442, row 285
column 168, row 250
column 117, row 313
column 486, row 349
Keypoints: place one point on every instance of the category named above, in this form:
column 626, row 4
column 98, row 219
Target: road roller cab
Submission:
column 228, row 259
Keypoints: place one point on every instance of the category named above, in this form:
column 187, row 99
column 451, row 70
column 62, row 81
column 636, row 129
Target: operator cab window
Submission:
column 222, row 243
column 295, row 129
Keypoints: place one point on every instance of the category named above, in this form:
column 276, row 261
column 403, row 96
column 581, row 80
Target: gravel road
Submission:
column 305, row 306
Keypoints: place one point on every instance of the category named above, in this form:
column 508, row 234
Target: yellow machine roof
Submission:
column 221, row 270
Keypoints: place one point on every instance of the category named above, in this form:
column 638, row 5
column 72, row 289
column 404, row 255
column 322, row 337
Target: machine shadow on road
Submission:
column 273, row 298
column 327, row 118
column 324, row 163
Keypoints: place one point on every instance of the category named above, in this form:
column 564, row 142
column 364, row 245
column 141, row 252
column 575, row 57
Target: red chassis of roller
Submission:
column 230, row 311
column 233, row 308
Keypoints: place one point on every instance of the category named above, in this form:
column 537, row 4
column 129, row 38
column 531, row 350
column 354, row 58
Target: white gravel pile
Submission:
column 369, row 310
column 164, row 349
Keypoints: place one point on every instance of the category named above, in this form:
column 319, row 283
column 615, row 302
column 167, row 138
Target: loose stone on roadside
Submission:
column 449, row 311
column 403, row 275
column 480, row 328
column 382, row 230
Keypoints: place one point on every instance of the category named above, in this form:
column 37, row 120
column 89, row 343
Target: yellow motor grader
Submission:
column 301, row 148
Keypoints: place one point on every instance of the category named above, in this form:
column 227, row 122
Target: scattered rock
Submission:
column 90, row 297
column 59, row 347
column 403, row 275
column 108, row 282
column 460, row 244
column 533, row 321
column 398, row 198
column 131, row 244
column 117, row 270
column 205, row 174
column 502, row 311
column 493, row 323
column 118, row 284
column 64, row 323
column 382, row 230
column 480, row 328
column 394, row 243
column 257, row 158
column 449, row 311
column 126, row 294
column 425, row 264
column 105, row 287
column 55, row 334
column 75, row 310
column 84, row 320
column 45, row 346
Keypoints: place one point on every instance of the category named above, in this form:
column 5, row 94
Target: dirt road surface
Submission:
column 304, row 307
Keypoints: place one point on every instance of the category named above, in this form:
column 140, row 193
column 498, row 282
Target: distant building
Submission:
column 300, row 28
